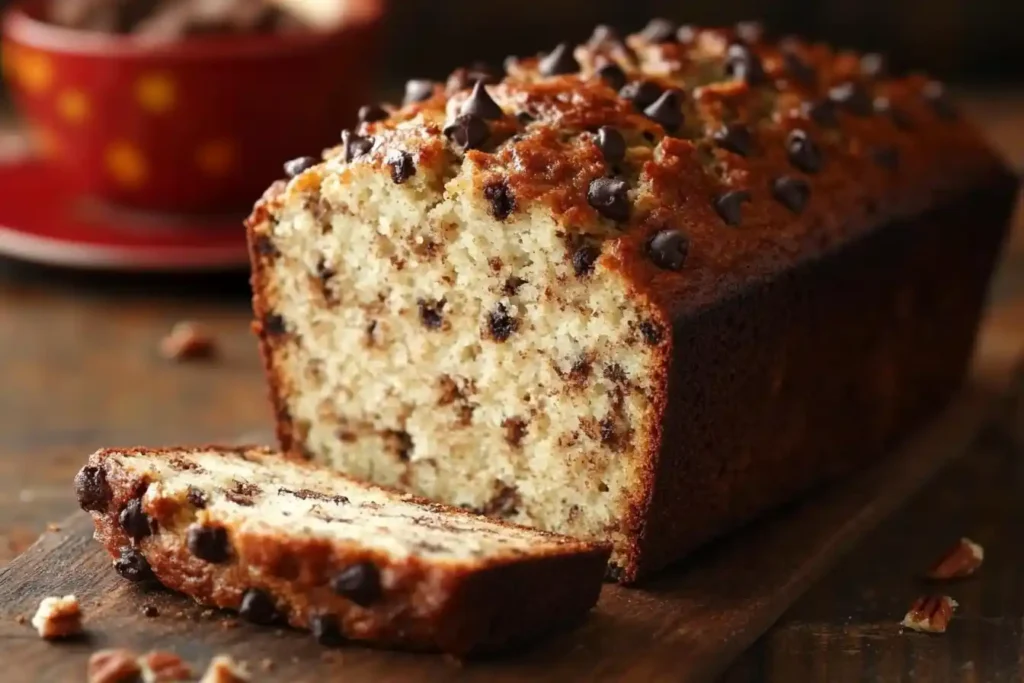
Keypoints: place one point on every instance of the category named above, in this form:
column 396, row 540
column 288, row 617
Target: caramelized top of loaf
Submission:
column 695, row 159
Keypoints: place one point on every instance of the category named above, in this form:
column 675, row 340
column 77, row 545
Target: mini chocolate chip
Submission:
column 209, row 543
column 659, row 31
column 501, row 324
column 430, row 313
column 736, row 138
column 791, row 192
column 479, row 103
column 803, row 152
column 92, row 488
column 610, row 197
column 358, row 582
column 559, row 61
column 584, row 258
column 800, row 71
column 668, row 249
column 150, row 611
column 196, row 497
column 651, row 332
column 741, row 64
column 730, row 206
column 258, row 607
column 368, row 113
column 887, row 157
column 612, row 74
column 274, row 325
column 132, row 565
column 899, row 118
column 525, row 118
column 418, row 90
column 822, row 112
column 468, row 131
column 501, row 198
column 641, row 93
column 852, row 97
column 872, row 65
column 326, row 630
column 354, row 145
column 611, row 143
column 667, row 110
column 512, row 285
column 750, row 31
column 134, row 521
column 296, row 166
column 264, row 245
column 934, row 93
column 402, row 166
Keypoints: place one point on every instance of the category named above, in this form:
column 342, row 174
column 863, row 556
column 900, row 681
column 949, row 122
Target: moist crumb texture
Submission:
column 284, row 542
column 517, row 294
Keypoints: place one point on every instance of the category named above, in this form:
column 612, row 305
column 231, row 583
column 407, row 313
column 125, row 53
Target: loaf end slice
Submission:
column 285, row 542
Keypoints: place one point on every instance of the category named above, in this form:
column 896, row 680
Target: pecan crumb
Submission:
column 164, row 667
column 930, row 614
column 58, row 618
column 961, row 560
column 188, row 340
column 223, row 669
column 113, row 666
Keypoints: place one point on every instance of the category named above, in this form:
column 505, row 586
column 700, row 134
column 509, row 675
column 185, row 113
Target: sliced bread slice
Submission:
column 286, row 542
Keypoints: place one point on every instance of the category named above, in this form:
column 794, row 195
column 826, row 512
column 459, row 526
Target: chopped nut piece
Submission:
column 113, row 666
column 164, row 667
column 58, row 618
column 961, row 560
column 188, row 341
column 223, row 669
column 53, row 526
column 930, row 614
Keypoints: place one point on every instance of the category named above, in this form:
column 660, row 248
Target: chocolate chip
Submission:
column 274, row 325
column 612, row 74
column 667, row 110
column 359, row 582
column 501, row 324
column 467, row 131
column 668, row 249
column 791, row 192
column 803, row 152
column 209, row 543
column 512, row 285
column 479, row 103
column 887, row 157
column 92, row 488
column 610, row 197
column 258, row 607
column 132, row 565
column 430, row 313
column 559, row 61
column 134, row 521
column 501, row 198
column 899, row 118
column 852, row 97
column 418, row 90
column 730, row 206
column 464, row 78
column 368, row 113
column 150, row 611
column 799, row 70
column 641, row 93
column 872, row 65
column 687, row 34
column 525, row 118
column 196, row 497
column 264, row 245
column 935, row 94
column 296, row 166
column 326, row 630
column 822, row 112
column 402, row 165
column 611, row 143
column 354, row 145
column 651, row 332
column 736, row 138
column 741, row 64
column 659, row 31
column 750, row 31
column 584, row 258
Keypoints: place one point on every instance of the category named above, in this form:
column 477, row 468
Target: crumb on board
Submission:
column 930, row 614
column 53, row 527
column 113, row 666
column 58, row 618
column 223, row 669
column 188, row 340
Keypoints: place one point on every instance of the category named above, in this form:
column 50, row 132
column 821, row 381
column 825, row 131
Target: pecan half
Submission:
column 930, row 614
column 961, row 560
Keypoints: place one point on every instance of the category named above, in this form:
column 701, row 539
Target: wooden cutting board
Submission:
column 686, row 626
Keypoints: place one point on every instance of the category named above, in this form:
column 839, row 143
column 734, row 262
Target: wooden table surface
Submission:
column 81, row 369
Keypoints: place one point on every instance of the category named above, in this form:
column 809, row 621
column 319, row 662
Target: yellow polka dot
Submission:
column 216, row 157
column 126, row 164
column 34, row 72
column 73, row 105
column 45, row 142
column 156, row 93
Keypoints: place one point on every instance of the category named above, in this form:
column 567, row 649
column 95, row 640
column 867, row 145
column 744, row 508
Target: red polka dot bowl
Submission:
column 202, row 124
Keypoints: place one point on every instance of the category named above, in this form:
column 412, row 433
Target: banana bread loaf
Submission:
column 638, row 290
column 283, row 542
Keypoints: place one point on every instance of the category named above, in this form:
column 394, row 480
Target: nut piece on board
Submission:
column 223, row 669
column 930, row 614
column 113, row 666
column 58, row 618
column 164, row 667
column 960, row 561
column 188, row 340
